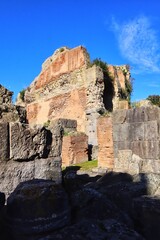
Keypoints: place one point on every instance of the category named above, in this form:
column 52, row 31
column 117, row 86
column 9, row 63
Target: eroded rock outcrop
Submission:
column 8, row 111
column 69, row 86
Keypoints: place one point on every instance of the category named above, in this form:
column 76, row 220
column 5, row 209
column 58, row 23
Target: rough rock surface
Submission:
column 8, row 111
column 109, row 207
column 105, row 143
column 37, row 207
column 5, row 95
column 13, row 172
column 29, row 153
column 70, row 87
column 74, row 149
column 28, row 143
column 136, row 140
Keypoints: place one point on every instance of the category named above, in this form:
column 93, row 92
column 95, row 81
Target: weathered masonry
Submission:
column 70, row 87
column 135, row 134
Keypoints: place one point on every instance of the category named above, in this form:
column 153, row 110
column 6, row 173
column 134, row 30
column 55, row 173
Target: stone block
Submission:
column 68, row 124
column 4, row 141
column 121, row 132
column 143, row 114
column 13, row 172
column 136, row 115
column 136, row 131
column 28, row 143
column 151, row 131
column 150, row 166
column 105, row 142
column 74, row 149
column 146, row 149
column 57, row 132
column 123, row 104
column 119, row 116
column 135, row 164
column 49, row 168
column 122, row 162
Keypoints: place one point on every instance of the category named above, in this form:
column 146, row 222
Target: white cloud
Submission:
column 138, row 43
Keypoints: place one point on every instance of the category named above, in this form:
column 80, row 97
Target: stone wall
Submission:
column 105, row 142
column 74, row 149
column 5, row 95
column 121, row 76
column 136, row 137
column 69, row 86
column 8, row 111
column 27, row 153
column 63, row 61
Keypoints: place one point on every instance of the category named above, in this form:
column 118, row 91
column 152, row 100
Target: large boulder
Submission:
column 29, row 143
column 36, row 207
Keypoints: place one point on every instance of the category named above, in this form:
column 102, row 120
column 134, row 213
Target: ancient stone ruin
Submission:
column 70, row 87
column 75, row 111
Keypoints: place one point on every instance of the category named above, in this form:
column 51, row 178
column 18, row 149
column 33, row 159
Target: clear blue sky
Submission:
column 119, row 32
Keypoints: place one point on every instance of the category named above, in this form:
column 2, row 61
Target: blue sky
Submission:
column 119, row 32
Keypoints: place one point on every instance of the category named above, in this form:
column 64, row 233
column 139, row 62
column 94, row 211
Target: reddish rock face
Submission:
column 69, row 105
column 65, row 62
column 118, row 74
column 74, row 149
column 105, row 142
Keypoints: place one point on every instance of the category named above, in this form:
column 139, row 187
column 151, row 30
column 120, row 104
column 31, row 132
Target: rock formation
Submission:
column 67, row 110
column 8, row 111
column 70, row 87
column 29, row 153
column 114, row 206
column 37, row 207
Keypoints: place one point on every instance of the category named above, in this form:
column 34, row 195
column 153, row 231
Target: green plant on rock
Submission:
column 22, row 94
column 154, row 99
column 127, row 91
column 61, row 49
column 46, row 124
column 100, row 63
column 108, row 81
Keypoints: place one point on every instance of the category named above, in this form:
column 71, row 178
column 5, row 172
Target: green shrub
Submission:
column 108, row 79
column 46, row 124
column 126, row 93
column 22, row 94
column 84, row 166
column 154, row 99
column 61, row 49
column 100, row 63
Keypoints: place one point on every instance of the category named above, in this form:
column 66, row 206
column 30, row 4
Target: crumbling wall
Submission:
column 121, row 78
column 5, row 95
column 74, row 148
column 136, row 138
column 8, row 111
column 69, row 86
column 105, row 142
column 27, row 153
